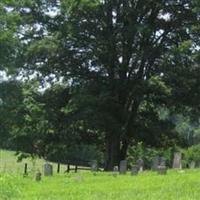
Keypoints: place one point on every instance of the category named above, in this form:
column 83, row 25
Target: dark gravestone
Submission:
column 155, row 163
column 134, row 170
column 197, row 164
column 38, row 176
column 177, row 160
column 140, row 165
column 123, row 167
column 48, row 169
column 162, row 170
column 162, row 161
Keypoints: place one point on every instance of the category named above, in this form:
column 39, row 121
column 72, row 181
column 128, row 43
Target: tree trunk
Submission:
column 112, row 152
column 123, row 150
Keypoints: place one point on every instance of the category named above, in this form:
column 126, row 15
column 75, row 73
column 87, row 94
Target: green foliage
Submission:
column 121, row 60
column 182, row 185
column 192, row 154
column 81, row 152
column 140, row 151
column 9, row 187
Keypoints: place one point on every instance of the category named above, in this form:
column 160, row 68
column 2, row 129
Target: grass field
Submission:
column 176, row 185
column 9, row 164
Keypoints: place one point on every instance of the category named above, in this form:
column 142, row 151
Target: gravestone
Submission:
column 197, row 164
column 123, row 167
column 155, row 163
column 48, row 169
column 192, row 165
column 38, row 176
column 140, row 165
column 177, row 160
column 115, row 171
column 94, row 166
column 162, row 161
column 162, row 169
column 134, row 170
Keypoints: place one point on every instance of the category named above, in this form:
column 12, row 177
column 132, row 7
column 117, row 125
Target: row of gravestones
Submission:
column 177, row 162
column 48, row 170
column 158, row 164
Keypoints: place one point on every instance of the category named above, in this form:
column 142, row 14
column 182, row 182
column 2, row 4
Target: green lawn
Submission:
column 183, row 185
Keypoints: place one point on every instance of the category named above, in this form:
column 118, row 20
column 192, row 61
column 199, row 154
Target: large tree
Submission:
column 116, row 54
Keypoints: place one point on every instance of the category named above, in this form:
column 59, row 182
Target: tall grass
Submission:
column 176, row 185
column 9, row 187
column 103, row 186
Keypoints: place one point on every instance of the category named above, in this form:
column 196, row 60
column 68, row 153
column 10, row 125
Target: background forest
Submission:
column 94, row 79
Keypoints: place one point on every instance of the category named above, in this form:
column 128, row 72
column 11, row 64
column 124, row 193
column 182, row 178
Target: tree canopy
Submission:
column 121, row 61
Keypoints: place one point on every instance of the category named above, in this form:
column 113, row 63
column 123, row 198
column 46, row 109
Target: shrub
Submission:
column 140, row 151
column 192, row 154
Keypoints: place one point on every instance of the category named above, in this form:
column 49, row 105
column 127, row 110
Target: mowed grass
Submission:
column 180, row 185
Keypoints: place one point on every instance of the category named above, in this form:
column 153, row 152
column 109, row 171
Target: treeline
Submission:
column 99, row 76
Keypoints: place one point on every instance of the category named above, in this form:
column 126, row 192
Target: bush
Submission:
column 192, row 154
column 140, row 151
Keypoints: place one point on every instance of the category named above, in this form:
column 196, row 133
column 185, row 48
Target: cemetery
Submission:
column 122, row 183
column 99, row 100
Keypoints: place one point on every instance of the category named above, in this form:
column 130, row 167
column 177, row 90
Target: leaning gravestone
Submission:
column 140, row 164
column 123, row 167
column 48, row 169
column 134, row 170
column 177, row 160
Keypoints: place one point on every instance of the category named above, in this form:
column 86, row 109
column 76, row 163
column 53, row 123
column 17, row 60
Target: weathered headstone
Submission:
column 177, row 160
column 94, row 166
column 134, row 170
column 123, row 167
column 38, row 176
column 115, row 171
column 197, row 164
column 162, row 169
column 155, row 163
column 162, row 161
column 192, row 165
column 48, row 169
column 140, row 164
